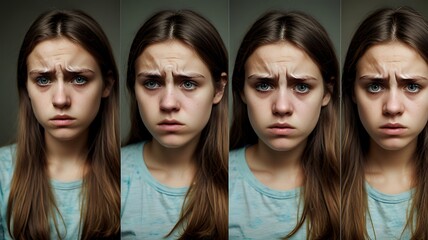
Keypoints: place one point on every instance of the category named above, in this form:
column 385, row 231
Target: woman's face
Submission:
column 391, row 93
column 175, row 93
column 284, row 93
column 65, row 87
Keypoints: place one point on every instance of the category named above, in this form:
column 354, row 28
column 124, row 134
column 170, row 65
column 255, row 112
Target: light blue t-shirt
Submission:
column 388, row 213
column 256, row 211
column 149, row 210
column 67, row 196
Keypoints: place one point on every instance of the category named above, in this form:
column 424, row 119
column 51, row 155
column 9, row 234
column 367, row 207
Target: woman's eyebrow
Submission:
column 302, row 77
column 260, row 76
column 188, row 75
column 257, row 76
column 71, row 69
column 380, row 78
column 46, row 71
column 148, row 74
column 373, row 78
column 34, row 74
column 412, row 77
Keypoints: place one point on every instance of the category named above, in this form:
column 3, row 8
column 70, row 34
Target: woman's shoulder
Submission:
column 7, row 156
column 237, row 154
column 131, row 156
column 131, row 150
column 237, row 160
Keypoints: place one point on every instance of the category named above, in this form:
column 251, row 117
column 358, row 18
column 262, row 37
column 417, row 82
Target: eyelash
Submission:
column 307, row 88
column 192, row 87
column 43, row 78
column 370, row 90
column 381, row 88
column 269, row 87
column 157, row 84
column 76, row 81
column 150, row 81
column 415, row 85
column 258, row 87
column 80, row 78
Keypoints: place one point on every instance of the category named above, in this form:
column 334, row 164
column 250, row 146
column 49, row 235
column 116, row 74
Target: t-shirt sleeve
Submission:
column 1, row 226
column 6, row 171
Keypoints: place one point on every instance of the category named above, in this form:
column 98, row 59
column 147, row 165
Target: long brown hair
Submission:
column 384, row 25
column 31, row 203
column 205, row 209
column 319, row 160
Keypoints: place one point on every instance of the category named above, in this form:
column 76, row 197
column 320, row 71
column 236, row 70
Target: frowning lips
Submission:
column 392, row 125
column 62, row 120
column 281, row 125
column 393, row 128
column 281, row 129
column 170, row 125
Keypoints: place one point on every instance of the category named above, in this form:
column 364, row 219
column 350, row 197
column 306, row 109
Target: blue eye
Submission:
column 80, row 80
column 151, row 84
column 42, row 81
column 263, row 87
column 301, row 88
column 413, row 88
column 188, row 85
column 374, row 88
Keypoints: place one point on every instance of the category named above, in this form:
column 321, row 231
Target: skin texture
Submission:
column 175, row 94
column 64, row 81
column 282, row 86
column 391, row 88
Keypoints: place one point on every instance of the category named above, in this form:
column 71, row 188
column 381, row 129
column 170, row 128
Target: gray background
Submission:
column 134, row 13
column 15, row 18
column 354, row 12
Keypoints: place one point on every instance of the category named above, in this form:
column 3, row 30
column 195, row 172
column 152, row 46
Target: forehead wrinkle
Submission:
column 258, row 67
column 37, row 62
column 71, row 69
column 404, row 77
column 370, row 65
column 380, row 70
column 172, row 58
column 41, row 70
column 51, row 63
column 178, row 68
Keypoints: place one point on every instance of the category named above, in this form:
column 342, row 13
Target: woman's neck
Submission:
column 66, row 159
column 280, row 170
column 174, row 167
column 391, row 171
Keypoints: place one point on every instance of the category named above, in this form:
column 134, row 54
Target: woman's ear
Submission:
column 220, row 91
column 327, row 95
column 108, row 85
column 326, row 98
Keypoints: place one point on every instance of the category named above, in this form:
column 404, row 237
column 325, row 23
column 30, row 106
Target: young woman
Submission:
column 284, row 177
column 174, row 167
column 61, row 179
column 384, row 156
